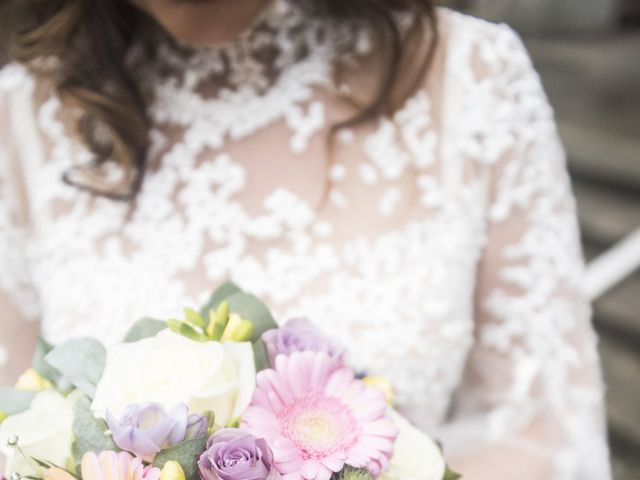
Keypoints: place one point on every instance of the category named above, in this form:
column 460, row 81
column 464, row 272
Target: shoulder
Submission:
column 22, row 96
column 456, row 24
column 16, row 86
column 15, row 79
column 494, row 95
column 490, row 47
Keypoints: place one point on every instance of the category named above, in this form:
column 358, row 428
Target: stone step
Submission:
column 590, row 79
column 602, row 156
column 606, row 215
column 550, row 16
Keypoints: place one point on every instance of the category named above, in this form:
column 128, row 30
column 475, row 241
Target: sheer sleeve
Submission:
column 531, row 402
column 18, row 301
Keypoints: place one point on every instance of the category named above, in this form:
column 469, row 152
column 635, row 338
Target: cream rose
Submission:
column 171, row 369
column 44, row 432
column 415, row 455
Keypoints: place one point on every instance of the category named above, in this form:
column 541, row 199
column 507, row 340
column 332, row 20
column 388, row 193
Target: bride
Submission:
column 387, row 168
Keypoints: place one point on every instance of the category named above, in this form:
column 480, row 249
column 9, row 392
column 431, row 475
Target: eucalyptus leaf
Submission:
column 220, row 294
column 14, row 401
column 249, row 307
column 260, row 357
column 41, row 463
column 186, row 454
column 194, row 318
column 40, row 365
column 186, row 330
column 89, row 432
column 81, row 361
column 451, row 475
column 145, row 328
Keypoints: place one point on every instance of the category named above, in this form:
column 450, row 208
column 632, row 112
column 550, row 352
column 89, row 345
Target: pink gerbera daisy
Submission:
column 317, row 418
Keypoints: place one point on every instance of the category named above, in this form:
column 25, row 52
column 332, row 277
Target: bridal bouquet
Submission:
column 223, row 394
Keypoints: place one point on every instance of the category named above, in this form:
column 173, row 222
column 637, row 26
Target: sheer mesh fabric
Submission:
column 441, row 244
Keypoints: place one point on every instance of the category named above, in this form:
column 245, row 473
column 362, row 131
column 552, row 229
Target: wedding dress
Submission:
column 440, row 243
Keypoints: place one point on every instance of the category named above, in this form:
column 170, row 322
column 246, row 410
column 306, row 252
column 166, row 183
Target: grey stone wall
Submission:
column 551, row 16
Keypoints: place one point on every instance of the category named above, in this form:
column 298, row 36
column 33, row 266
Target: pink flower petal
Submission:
column 319, row 374
column 295, row 375
column 279, row 386
column 382, row 427
column 338, row 382
column 284, row 450
column 333, row 463
column 311, row 469
column 90, row 467
column 310, row 387
column 292, row 476
column 262, row 420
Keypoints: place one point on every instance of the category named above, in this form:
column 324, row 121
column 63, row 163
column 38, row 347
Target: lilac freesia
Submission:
column 232, row 454
column 146, row 428
column 299, row 335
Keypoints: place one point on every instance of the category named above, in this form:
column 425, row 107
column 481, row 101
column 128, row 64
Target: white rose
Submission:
column 415, row 455
column 171, row 369
column 44, row 432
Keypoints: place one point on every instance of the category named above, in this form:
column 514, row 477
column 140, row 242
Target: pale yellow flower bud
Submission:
column 238, row 330
column 172, row 471
column 383, row 384
column 31, row 381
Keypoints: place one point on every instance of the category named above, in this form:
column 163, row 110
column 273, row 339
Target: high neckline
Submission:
column 283, row 34
column 270, row 14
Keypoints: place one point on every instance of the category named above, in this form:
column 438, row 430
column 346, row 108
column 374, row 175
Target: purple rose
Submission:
column 146, row 428
column 299, row 335
column 235, row 455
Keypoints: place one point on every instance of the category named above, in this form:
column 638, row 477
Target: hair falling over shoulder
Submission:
column 81, row 47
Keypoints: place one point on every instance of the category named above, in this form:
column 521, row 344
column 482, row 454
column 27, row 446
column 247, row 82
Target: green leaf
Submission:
column 186, row 454
column 260, row 357
column 81, row 360
column 218, row 296
column 451, row 475
column 350, row 473
column 249, row 307
column 14, row 401
column 186, row 330
column 145, row 328
column 39, row 363
column 218, row 320
column 194, row 318
column 89, row 432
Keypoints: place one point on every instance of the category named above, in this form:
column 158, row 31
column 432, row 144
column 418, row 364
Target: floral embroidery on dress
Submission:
column 449, row 232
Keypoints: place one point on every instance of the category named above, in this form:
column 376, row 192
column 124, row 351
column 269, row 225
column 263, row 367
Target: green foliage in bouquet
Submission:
column 451, row 475
column 44, row 369
column 353, row 474
column 77, row 363
column 230, row 314
column 14, row 401
column 145, row 328
column 89, row 432
column 80, row 361
column 186, row 454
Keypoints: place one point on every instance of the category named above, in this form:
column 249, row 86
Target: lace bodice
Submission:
column 441, row 243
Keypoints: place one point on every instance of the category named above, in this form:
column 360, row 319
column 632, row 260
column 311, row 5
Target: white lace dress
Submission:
column 441, row 244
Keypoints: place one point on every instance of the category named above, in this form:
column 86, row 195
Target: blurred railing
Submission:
column 614, row 266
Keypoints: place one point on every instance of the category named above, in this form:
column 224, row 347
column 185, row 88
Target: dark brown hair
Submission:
column 85, row 43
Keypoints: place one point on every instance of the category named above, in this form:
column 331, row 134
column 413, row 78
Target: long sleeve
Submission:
column 18, row 301
column 531, row 402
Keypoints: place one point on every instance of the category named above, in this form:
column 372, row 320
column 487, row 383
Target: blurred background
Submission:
column 588, row 54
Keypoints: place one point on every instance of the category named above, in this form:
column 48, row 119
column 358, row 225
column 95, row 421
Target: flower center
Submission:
column 319, row 425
